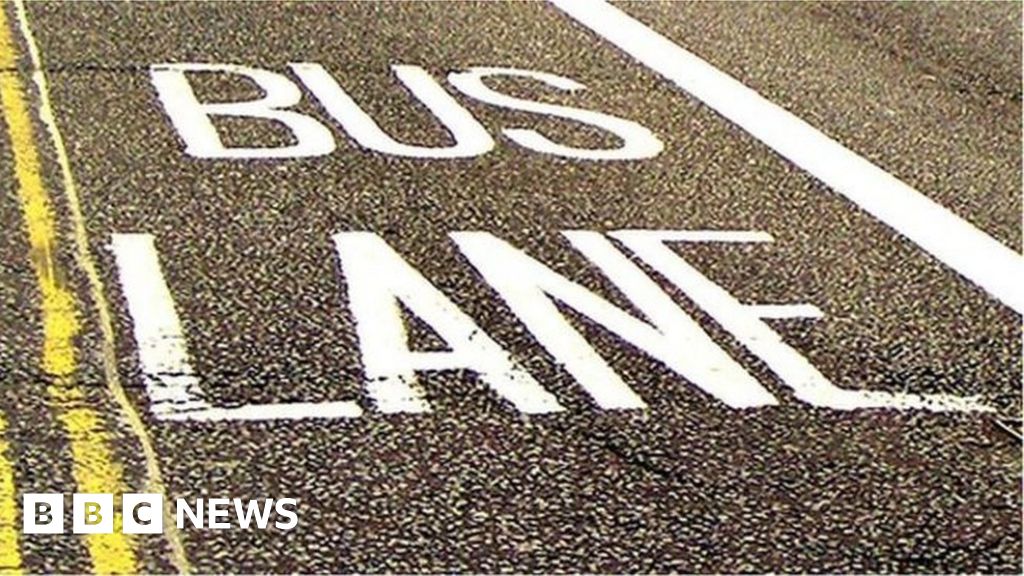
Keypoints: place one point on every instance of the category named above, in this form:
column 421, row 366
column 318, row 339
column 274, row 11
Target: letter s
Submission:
column 282, row 511
column 638, row 142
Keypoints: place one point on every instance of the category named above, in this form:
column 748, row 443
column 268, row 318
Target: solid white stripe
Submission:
column 784, row 311
column 171, row 384
column 163, row 352
column 293, row 411
column 966, row 249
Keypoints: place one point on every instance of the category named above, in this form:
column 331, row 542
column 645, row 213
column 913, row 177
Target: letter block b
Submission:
column 92, row 514
column 42, row 513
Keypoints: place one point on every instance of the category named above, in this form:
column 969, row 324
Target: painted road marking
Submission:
column 94, row 468
column 637, row 141
column 169, row 379
column 378, row 279
column 785, row 311
column 470, row 138
column 192, row 118
column 381, row 282
column 93, row 463
column 981, row 259
column 172, row 385
column 274, row 411
column 745, row 323
column 667, row 333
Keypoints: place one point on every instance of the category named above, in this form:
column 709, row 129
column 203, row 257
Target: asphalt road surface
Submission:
column 781, row 333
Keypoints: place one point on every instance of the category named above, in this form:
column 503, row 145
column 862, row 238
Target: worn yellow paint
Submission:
column 95, row 470
column 10, row 553
column 93, row 464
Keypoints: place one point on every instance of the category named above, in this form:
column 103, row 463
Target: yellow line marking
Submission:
column 10, row 553
column 84, row 259
column 93, row 466
column 95, row 470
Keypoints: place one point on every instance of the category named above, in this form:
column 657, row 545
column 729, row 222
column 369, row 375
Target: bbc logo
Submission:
column 92, row 513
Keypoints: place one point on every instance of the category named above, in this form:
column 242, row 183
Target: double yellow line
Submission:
column 95, row 468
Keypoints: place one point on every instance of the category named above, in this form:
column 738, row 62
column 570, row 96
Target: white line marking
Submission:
column 785, row 311
column 380, row 283
column 663, row 330
column 954, row 241
column 717, row 236
column 163, row 353
column 808, row 384
column 154, row 477
column 170, row 381
column 292, row 411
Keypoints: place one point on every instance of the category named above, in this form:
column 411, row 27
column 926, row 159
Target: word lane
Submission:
column 382, row 286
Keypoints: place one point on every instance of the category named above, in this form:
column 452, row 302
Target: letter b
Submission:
column 192, row 118
column 42, row 513
column 92, row 514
